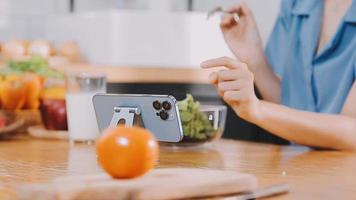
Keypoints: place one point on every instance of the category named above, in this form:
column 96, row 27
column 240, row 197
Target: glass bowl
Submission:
column 216, row 115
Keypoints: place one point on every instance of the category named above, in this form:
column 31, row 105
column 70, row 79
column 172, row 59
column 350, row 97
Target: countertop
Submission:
column 311, row 174
column 140, row 74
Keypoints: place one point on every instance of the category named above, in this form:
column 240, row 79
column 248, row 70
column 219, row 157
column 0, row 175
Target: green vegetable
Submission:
column 35, row 64
column 195, row 124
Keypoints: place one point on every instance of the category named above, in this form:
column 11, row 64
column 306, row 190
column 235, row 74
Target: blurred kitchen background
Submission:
column 144, row 46
column 166, row 33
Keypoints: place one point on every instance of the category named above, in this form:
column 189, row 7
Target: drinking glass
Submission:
column 81, row 87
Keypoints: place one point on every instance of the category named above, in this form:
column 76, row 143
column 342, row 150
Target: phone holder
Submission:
column 125, row 115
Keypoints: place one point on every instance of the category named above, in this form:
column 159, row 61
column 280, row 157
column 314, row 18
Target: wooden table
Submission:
column 143, row 74
column 140, row 74
column 311, row 174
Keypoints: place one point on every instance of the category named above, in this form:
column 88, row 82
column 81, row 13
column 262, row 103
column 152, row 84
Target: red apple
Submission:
column 54, row 114
column 3, row 122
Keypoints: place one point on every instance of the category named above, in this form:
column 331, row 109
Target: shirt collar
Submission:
column 304, row 7
column 351, row 13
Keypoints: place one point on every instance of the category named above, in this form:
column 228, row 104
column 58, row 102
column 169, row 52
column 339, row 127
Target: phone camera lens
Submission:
column 166, row 105
column 157, row 105
column 163, row 115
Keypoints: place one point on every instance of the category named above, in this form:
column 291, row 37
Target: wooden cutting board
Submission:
column 170, row 183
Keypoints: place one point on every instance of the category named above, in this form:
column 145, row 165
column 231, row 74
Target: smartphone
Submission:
column 157, row 113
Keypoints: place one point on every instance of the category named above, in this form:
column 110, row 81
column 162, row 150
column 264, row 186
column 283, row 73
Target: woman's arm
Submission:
column 235, row 85
column 308, row 128
column 244, row 41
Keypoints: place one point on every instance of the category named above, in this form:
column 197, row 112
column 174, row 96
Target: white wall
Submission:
column 25, row 18
column 141, row 38
column 136, row 37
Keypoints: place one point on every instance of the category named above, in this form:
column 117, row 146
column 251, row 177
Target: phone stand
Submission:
column 138, row 110
column 124, row 115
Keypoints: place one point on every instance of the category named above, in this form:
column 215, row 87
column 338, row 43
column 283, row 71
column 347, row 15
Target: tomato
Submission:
column 127, row 152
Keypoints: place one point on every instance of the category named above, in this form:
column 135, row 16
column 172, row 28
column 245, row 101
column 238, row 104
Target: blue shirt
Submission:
column 309, row 81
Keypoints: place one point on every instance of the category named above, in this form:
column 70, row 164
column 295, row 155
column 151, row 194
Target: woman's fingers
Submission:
column 233, row 74
column 213, row 78
column 231, row 85
column 240, row 96
column 232, row 96
column 227, row 20
column 234, row 84
column 223, row 62
column 241, row 9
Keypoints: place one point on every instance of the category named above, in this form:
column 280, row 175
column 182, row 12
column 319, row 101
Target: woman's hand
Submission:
column 235, row 85
column 243, row 37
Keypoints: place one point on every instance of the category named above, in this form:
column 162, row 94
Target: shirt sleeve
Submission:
column 278, row 40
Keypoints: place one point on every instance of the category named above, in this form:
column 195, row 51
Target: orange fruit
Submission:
column 127, row 152
column 34, row 87
column 57, row 92
column 13, row 94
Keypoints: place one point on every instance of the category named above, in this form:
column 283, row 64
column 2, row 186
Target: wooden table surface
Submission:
column 144, row 74
column 311, row 174
column 140, row 74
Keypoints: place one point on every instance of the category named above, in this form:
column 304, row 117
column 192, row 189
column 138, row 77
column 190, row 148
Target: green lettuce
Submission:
column 196, row 124
column 35, row 64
